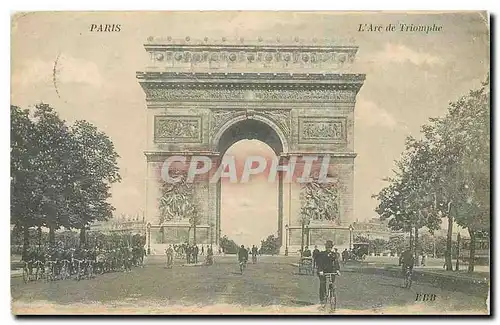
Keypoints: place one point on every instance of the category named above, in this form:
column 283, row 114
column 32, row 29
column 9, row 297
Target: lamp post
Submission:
column 286, row 240
column 351, row 228
column 211, row 233
column 307, row 235
column 149, row 238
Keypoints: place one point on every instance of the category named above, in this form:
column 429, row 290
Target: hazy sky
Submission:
column 410, row 76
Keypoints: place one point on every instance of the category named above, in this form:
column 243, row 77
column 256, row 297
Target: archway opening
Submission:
column 250, row 209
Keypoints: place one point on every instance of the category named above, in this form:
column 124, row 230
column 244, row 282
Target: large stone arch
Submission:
column 303, row 94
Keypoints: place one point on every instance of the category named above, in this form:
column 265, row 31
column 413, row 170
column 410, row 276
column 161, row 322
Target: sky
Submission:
column 410, row 77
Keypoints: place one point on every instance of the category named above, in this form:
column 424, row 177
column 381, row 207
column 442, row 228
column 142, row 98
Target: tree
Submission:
column 396, row 244
column 271, row 245
column 92, row 169
column 61, row 175
column 445, row 174
column 23, row 186
column 470, row 120
column 379, row 245
column 228, row 245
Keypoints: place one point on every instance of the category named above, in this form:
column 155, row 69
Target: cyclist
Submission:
column 242, row 256
column 407, row 261
column 326, row 263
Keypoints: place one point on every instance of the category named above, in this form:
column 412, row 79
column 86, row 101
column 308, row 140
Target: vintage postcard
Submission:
column 313, row 163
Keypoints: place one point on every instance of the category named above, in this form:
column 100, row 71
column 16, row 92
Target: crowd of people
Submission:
column 344, row 256
column 59, row 261
column 191, row 253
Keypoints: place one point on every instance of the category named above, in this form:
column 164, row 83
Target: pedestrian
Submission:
column 423, row 260
column 306, row 252
column 187, row 250
column 315, row 256
column 170, row 256
column 345, row 254
column 195, row 253
column 202, row 250
column 336, row 258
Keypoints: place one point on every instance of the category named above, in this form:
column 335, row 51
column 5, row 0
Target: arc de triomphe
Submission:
column 203, row 96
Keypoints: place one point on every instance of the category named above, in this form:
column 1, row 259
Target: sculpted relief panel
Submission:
column 268, row 95
column 322, row 130
column 177, row 129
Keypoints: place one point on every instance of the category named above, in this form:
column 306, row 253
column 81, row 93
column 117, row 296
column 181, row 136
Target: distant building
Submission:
column 374, row 228
column 123, row 224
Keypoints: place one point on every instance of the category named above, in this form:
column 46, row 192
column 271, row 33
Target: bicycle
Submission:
column 407, row 277
column 40, row 270
column 243, row 265
column 89, row 268
column 50, row 271
column 27, row 271
column 79, row 269
column 65, row 270
column 331, row 291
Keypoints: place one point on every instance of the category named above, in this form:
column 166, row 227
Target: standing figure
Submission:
column 170, row 256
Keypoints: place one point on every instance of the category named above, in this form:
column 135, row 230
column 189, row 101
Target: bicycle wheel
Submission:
column 333, row 299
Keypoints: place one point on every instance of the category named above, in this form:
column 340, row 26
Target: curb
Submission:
column 468, row 285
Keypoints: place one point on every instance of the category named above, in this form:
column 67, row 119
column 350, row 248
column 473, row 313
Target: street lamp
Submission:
column 286, row 240
column 211, row 233
column 307, row 235
column 351, row 228
column 149, row 238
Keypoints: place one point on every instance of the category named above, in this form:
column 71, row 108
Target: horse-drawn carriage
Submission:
column 359, row 251
column 306, row 265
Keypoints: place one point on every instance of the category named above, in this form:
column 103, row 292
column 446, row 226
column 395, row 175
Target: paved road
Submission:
column 273, row 281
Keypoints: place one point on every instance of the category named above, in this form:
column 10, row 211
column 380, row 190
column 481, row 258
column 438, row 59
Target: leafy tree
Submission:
column 470, row 120
column 60, row 175
column 396, row 244
column 93, row 168
column 379, row 245
column 445, row 174
column 23, row 186
column 228, row 245
column 271, row 245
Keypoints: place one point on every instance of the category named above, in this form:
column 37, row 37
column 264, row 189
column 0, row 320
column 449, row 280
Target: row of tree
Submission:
column 428, row 245
column 61, row 174
column 444, row 174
